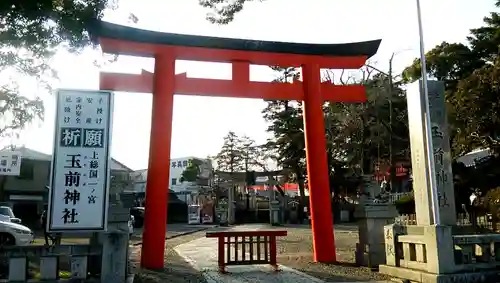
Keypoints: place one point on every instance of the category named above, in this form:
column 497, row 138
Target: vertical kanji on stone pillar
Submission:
column 155, row 220
column 441, row 152
column 317, row 166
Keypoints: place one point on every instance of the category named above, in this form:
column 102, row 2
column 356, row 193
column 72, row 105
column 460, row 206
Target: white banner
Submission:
column 10, row 163
column 81, row 160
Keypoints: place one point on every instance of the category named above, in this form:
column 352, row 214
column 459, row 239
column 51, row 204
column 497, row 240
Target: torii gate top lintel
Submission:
column 118, row 39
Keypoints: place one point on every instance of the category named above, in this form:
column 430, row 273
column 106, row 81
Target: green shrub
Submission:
column 405, row 205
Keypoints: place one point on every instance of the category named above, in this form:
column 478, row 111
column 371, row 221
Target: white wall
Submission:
column 177, row 166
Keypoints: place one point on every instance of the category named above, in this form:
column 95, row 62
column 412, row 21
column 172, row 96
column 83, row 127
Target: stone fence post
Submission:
column 371, row 250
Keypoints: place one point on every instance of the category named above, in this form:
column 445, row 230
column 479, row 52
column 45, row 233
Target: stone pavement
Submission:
column 173, row 231
column 202, row 255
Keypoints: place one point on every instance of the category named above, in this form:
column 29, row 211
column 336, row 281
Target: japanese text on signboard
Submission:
column 10, row 163
column 80, row 176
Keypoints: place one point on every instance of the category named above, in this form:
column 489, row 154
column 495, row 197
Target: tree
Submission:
column 358, row 135
column 466, row 70
column 192, row 171
column 477, row 105
column 249, row 152
column 230, row 157
column 286, row 125
column 31, row 32
column 223, row 11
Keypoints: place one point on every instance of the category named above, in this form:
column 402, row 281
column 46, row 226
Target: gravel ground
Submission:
column 176, row 269
column 295, row 251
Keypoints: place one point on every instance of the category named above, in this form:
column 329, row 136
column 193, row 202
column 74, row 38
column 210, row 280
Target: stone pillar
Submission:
column 114, row 264
column 222, row 212
column 370, row 250
column 274, row 210
column 442, row 154
column 231, row 205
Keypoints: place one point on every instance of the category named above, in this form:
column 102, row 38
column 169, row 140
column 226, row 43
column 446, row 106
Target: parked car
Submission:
column 6, row 214
column 138, row 214
column 13, row 234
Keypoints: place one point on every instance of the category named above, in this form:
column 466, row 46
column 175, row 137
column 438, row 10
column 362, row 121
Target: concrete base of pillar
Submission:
column 439, row 253
column 422, row 276
column 370, row 256
column 370, row 250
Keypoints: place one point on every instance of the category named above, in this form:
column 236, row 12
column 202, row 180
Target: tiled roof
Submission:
column 32, row 154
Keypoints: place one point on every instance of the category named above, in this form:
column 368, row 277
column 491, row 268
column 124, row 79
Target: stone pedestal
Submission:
column 370, row 250
column 435, row 253
column 222, row 212
column 274, row 210
column 115, row 249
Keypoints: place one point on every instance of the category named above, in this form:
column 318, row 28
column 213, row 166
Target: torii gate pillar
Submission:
column 155, row 222
column 317, row 166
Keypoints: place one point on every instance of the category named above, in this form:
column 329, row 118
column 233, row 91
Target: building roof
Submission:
column 31, row 154
column 472, row 157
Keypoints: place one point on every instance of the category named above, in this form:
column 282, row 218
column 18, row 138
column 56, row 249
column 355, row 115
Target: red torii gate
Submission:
column 164, row 83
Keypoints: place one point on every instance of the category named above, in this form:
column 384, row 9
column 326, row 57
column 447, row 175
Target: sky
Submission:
column 200, row 123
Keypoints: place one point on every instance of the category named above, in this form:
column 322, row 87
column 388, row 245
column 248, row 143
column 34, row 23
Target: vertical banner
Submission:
column 78, row 199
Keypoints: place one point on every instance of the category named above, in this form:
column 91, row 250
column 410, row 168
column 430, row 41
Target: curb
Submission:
column 180, row 234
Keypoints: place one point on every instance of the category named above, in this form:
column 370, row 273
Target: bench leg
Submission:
column 273, row 252
column 220, row 249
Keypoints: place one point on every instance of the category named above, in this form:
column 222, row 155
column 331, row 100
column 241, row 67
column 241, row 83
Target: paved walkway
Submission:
column 202, row 255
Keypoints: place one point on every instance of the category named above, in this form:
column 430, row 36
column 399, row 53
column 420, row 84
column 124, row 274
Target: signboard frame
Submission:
column 109, row 96
column 18, row 160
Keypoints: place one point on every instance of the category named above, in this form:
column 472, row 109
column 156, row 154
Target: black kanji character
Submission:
column 94, row 164
column 92, row 197
column 70, row 216
column 71, row 197
column 74, row 161
column 72, row 179
column 92, row 174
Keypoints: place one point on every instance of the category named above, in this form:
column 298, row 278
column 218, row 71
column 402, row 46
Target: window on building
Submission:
column 174, row 181
column 26, row 171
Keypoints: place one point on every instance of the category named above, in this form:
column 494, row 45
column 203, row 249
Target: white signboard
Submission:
column 81, row 160
column 10, row 163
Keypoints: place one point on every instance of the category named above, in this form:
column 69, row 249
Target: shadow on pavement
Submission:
column 176, row 270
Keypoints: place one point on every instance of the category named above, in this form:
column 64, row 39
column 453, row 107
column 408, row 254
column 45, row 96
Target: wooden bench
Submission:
column 255, row 247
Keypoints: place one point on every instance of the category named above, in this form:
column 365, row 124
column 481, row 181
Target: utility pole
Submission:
column 392, row 157
column 390, row 94
column 433, row 198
